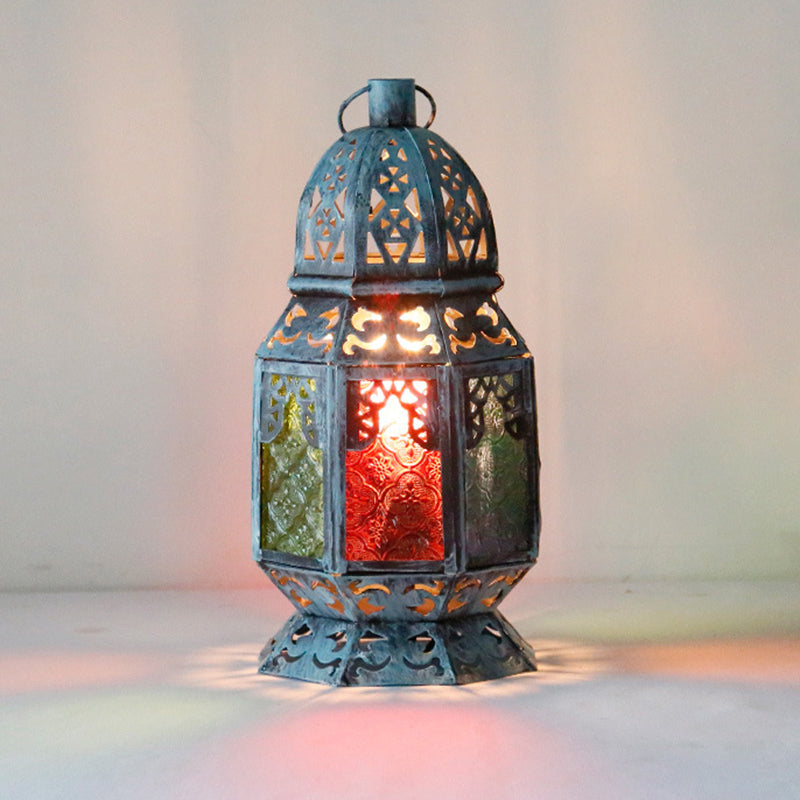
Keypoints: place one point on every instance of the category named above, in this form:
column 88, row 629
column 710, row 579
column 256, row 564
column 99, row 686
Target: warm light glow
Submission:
column 393, row 494
column 413, row 346
column 353, row 341
column 392, row 416
column 326, row 341
column 393, row 419
column 417, row 316
column 362, row 316
column 450, row 316
column 504, row 336
column 293, row 313
column 487, row 311
column 332, row 316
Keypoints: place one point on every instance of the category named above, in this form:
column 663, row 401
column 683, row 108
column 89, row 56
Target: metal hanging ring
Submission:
column 363, row 89
column 430, row 99
column 346, row 103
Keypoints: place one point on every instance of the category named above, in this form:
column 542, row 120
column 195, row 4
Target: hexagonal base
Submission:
column 466, row 649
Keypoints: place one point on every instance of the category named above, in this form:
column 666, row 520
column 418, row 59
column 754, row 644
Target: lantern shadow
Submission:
column 472, row 741
column 502, row 738
column 234, row 668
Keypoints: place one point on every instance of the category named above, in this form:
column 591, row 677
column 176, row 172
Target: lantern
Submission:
column 395, row 460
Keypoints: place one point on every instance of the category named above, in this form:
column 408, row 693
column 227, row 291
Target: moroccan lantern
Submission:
column 395, row 458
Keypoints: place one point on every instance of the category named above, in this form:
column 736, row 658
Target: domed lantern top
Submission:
column 395, row 461
column 411, row 207
column 393, row 216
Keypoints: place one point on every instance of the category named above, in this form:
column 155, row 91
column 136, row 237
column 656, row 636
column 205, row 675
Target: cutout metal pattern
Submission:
column 506, row 389
column 322, row 215
column 475, row 327
column 394, row 231
column 410, row 597
column 411, row 403
column 307, row 330
column 339, row 653
column 276, row 391
column 465, row 214
column 402, row 333
column 411, row 206
column 316, row 593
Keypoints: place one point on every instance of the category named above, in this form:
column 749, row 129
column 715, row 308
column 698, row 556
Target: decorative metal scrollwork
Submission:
column 477, row 325
column 465, row 209
column 340, row 653
column 366, row 400
column 276, row 392
column 322, row 213
column 315, row 328
column 507, row 389
column 394, row 232
column 409, row 597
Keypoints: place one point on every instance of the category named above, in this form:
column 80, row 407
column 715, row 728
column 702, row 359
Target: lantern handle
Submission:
column 425, row 93
column 363, row 89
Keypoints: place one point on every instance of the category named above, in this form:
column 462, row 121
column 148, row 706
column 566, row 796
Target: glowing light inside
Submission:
column 393, row 416
column 393, row 493
column 412, row 346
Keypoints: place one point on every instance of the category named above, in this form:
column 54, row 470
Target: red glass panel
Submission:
column 394, row 485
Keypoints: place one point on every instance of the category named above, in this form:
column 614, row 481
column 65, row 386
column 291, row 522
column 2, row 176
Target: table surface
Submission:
column 671, row 690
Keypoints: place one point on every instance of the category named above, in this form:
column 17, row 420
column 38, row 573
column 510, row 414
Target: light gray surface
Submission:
column 645, row 690
column 641, row 161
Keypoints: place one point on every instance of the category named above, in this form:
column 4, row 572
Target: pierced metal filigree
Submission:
column 457, row 651
column 392, row 331
column 306, row 332
column 386, row 596
column 366, row 400
column 395, row 233
column 322, row 215
column 507, row 390
column 475, row 327
column 465, row 208
column 277, row 391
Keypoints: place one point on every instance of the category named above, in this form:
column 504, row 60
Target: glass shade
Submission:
column 497, row 503
column 291, row 468
column 394, row 480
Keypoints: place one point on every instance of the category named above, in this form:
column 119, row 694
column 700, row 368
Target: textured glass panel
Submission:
column 291, row 481
column 394, row 484
column 496, row 490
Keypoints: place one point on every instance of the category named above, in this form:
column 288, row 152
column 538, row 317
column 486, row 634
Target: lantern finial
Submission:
column 392, row 103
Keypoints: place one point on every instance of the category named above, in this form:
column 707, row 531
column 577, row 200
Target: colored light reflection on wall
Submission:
column 393, row 484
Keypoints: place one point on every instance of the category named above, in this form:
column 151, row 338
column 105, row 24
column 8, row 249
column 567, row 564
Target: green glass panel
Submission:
column 291, row 488
column 497, row 493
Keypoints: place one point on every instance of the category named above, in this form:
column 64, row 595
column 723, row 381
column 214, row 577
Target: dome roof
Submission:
column 393, row 203
column 396, row 258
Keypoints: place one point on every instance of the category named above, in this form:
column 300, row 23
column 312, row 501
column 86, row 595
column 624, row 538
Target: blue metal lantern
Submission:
column 395, row 457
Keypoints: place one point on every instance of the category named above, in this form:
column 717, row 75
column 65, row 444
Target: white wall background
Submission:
column 643, row 164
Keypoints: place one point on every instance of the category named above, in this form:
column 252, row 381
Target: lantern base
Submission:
column 457, row 650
